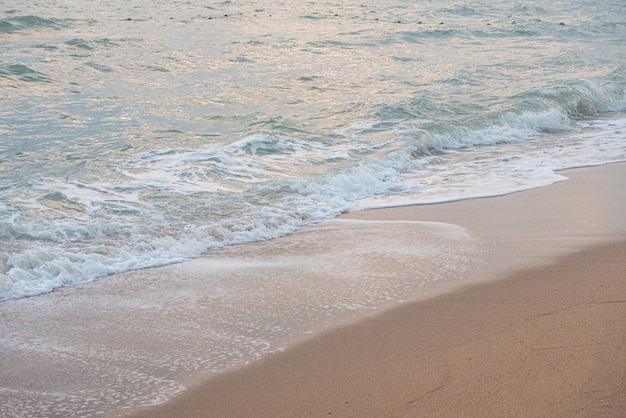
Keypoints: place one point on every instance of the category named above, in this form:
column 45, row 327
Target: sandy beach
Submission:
column 538, row 330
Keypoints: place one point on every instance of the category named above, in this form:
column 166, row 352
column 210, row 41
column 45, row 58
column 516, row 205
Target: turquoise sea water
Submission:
column 142, row 133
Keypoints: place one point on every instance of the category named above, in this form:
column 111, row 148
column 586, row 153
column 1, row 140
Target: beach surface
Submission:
column 538, row 329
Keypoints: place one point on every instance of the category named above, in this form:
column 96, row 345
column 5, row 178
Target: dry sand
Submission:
column 547, row 338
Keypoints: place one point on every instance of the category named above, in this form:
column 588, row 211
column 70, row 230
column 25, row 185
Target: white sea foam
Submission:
column 509, row 168
column 525, row 158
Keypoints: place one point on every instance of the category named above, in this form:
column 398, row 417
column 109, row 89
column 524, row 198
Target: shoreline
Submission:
column 558, row 232
column 163, row 341
column 525, row 345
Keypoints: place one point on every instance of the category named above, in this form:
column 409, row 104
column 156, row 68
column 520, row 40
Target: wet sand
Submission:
column 539, row 330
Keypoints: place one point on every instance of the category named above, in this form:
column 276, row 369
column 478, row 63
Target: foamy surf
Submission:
column 172, row 205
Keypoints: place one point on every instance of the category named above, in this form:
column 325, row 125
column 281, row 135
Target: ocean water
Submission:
column 136, row 134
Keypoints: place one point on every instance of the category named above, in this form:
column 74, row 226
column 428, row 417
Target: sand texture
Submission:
column 546, row 342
